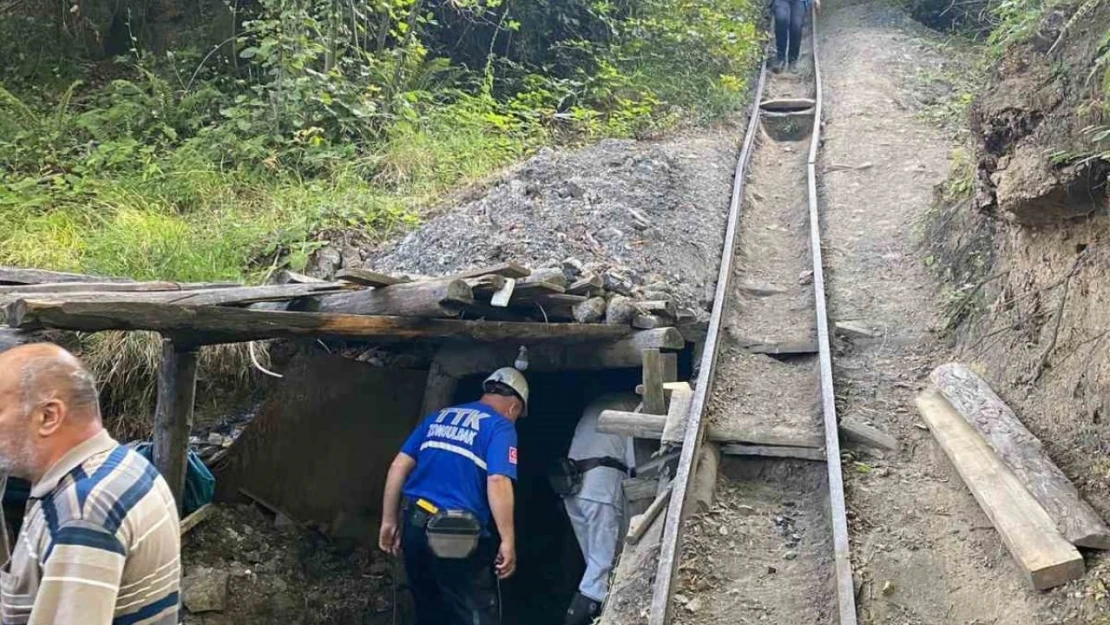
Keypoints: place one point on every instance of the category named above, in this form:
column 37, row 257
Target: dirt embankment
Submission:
column 1029, row 124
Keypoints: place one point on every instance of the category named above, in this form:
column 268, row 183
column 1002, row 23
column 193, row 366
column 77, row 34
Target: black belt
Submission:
column 589, row 464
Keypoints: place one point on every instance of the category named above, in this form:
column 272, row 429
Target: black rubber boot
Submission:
column 582, row 610
column 777, row 66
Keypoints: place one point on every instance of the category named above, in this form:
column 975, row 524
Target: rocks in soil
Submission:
column 204, row 589
column 620, row 310
column 642, row 212
column 591, row 310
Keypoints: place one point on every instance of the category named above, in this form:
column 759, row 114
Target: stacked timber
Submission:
column 506, row 292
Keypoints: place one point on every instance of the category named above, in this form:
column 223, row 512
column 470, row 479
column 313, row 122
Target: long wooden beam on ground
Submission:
column 1045, row 558
column 214, row 324
column 670, row 551
column 1023, row 453
column 220, row 296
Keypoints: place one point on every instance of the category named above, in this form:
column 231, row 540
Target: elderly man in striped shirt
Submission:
column 99, row 543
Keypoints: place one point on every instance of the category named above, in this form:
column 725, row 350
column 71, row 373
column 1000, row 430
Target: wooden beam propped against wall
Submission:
column 173, row 416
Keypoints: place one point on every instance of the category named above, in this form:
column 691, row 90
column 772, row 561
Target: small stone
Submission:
column 881, row 472
column 590, row 311
column 572, row 268
column 888, row 588
column 694, row 605
column 620, row 311
column 745, row 510
column 806, row 277
column 772, row 570
column 921, row 426
column 205, row 590
column 723, row 531
column 790, row 555
column 681, row 599
column 215, row 438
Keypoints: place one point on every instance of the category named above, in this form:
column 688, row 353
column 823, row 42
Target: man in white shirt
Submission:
column 596, row 510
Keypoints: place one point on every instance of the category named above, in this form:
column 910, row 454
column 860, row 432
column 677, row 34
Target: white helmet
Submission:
column 513, row 379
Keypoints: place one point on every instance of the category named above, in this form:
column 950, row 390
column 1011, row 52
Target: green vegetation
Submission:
column 213, row 141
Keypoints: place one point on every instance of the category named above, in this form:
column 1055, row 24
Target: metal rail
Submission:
column 671, row 548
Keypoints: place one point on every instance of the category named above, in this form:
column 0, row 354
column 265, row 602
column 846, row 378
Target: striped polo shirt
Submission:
column 99, row 545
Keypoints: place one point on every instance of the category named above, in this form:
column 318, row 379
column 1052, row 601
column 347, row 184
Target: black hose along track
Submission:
column 765, row 551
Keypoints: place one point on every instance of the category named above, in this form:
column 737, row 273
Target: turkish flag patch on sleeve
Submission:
column 512, row 455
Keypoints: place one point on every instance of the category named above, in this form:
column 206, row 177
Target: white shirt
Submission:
column 603, row 484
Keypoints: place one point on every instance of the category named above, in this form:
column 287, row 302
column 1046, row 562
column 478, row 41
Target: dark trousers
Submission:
column 790, row 15
column 449, row 592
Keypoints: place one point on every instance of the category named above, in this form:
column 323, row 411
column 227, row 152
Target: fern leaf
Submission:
column 63, row 105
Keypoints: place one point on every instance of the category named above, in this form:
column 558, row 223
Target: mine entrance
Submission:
column 550, row 564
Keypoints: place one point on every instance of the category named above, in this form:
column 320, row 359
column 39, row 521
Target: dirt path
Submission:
column 923, row 550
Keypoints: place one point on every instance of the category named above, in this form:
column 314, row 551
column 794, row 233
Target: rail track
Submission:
column 776, row 543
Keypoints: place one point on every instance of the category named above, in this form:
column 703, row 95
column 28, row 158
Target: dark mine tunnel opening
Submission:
column 549, row 563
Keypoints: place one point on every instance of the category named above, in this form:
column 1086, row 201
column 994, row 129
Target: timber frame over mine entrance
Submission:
column 576, row 331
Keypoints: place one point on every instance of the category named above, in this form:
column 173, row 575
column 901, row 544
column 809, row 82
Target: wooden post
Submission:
column 439, row 390
column 654, row 402
column 173, row 416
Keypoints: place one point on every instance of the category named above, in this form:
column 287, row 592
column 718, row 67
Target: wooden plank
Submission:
column 527, row 292
column 785, row 348
column 670, row 551
column 597, row 353
column 678, row 413
column 501, row 298
column 1023, row 453
column 670, row 369
column 644, row 521
column 864, row 434
column 586, row 285
column 1045, row 558
column 842, row 561
column 23, row 275
column 197, row 517
column 647, row 426
column 227, row 296
column 291, row 277
column 654, row 402
column 509, row 270
column 365, row 277
column 639, row 488
column 428, row 298
column 212, row 324
column 110, row 287
column 173, row 414
column 772, row 451
column 705, row 477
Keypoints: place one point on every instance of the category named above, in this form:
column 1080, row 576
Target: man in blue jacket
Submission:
column 453, row 474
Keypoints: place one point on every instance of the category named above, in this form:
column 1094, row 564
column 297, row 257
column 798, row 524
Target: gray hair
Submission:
column 44, row 378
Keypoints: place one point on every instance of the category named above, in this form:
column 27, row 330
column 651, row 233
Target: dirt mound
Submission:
column 262, row 572
column 1029, row 125
column 654, row 211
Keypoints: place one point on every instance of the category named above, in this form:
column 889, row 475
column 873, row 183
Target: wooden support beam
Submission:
column 223, row 296
column 429, row 298
column 1023, row 453
column 670, row 368
column 173, row 415
column 678, row 413
column 233, row 325
column 197, row 517
column 643, row 521
column 641, row 425
column 291, row 277
column 1045, row 558
column 772, row 451
column 112, row 287
column 509, row 270
column 439, row 390
column 21, row 275
column 705, row 477
column 366, row 277
column 654, row 402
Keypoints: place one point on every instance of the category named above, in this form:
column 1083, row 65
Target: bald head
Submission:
column 43, row 372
